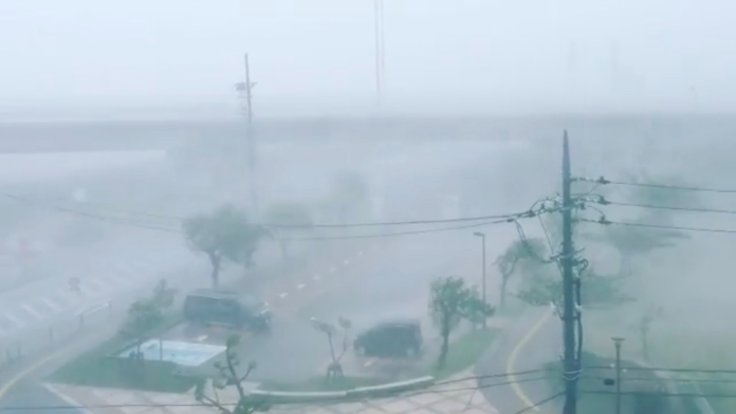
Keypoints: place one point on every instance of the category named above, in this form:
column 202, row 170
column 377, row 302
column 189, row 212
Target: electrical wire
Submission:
column 604, row 181
column 605, row 221
column 394, row 234
column 540, row 402
column 284, row 226
column 502, row 219
column 485, row 376
column 661, row 394
column 675, row 208
column 665, row 369
column 510, row 219
column 475, row 387
column 115, row 220
column 232, row 404
column 669, row 379
column 397, row 223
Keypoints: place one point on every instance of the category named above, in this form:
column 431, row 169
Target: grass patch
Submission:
column 463, row 353
column 639, row 381
column 320, row 384
column 98, row 368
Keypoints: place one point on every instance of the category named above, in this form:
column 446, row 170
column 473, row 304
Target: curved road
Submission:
column 527, row 344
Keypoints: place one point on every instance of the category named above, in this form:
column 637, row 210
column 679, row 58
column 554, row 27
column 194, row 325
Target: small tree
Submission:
column 476, row 311
column 525, row 251
column 163, row 295
column 228, row 376
column 334, row 369
column 600, row 290
column 287, row 214
column 224, row 234
column 146, row 314
column 451, row 301
column 645, row 326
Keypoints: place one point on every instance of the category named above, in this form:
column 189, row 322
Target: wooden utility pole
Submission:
column 379, row 47
column 250, row 138
column 569, row 315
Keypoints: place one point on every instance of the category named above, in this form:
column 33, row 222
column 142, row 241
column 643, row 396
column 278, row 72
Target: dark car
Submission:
column 390, row 340
column 214, row 307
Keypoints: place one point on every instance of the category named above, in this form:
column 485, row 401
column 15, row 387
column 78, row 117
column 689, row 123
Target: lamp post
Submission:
column 483, row 280
column 617, row 343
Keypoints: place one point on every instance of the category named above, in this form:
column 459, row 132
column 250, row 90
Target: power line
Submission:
column 604, row 181
column 669, row 379
column 486, row 376
column 109, row 219
column 662, row 394
column 605, row 221
column 232, row 404
column 603, row 201
column 540, row 402
column 529, row 213
column 475, row 387
column 506, row 219
column 395, row 234
column 502, row 219
column 401, row 223
column 665, row 369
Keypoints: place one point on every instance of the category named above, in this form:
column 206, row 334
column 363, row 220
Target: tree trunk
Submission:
column 445, row 347
column 215, row 262
column 332, row 348
column 502, row 299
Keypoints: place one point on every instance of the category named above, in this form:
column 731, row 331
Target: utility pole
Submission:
column 379, row 46
column 617, row 343
column 483, row 281
column 568, row 282
column 248, row 89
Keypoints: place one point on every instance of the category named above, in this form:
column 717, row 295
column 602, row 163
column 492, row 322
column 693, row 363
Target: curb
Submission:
column 375, row 391
column 67, row 399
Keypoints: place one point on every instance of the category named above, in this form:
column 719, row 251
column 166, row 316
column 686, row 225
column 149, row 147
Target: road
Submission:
column 377, row 281
column 529, row 344
column 389, row 279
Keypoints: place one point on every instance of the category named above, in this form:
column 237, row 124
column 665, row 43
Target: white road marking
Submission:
column 201, row 338
column 32, row 311
column 360, row 253
column 346, row 262
column 316, row 277
column 51, row 304
column 300, row 286
column 283, row 295
column 332, row 269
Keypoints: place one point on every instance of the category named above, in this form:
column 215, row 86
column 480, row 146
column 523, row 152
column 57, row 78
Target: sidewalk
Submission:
column 454, row 396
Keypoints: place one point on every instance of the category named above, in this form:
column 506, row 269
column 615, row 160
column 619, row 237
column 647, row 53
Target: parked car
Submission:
column 390, row 339
column 216, row 307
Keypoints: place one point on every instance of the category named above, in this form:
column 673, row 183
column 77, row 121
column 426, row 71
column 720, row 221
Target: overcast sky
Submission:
column 317, row 56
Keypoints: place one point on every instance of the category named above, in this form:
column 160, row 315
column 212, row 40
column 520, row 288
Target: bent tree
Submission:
column 225, row 233
column 450, row 302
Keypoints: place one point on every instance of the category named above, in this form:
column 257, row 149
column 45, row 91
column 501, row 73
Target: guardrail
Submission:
column 375, row 391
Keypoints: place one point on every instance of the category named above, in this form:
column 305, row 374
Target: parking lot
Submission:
column 293, row 350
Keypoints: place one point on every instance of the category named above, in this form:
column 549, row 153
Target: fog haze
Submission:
column 317, row 57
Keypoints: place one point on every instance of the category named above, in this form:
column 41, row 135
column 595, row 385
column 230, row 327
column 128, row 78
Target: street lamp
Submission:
column 483, row 280
column 617, row 343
